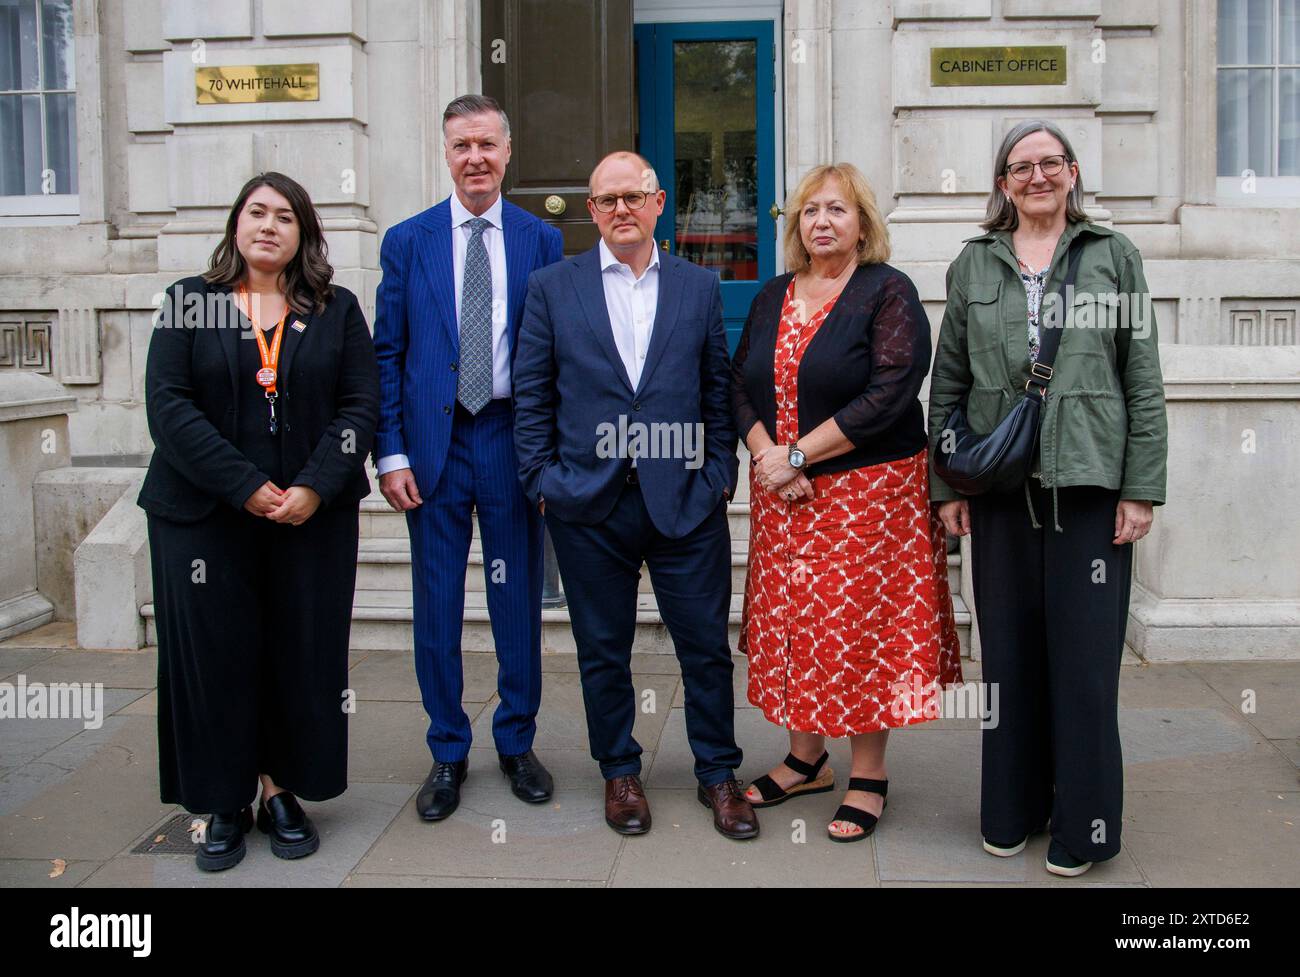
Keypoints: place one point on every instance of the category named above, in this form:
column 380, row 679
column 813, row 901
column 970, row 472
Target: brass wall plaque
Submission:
column 1037, row 65
column 230, row 84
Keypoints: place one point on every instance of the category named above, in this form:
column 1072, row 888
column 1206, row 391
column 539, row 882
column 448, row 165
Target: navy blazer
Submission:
column 328, row 403
column 570, row 385
column 417, row 337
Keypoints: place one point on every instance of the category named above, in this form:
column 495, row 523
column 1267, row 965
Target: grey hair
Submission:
column 1001, row 214
column 648, row 174
column 467, row 105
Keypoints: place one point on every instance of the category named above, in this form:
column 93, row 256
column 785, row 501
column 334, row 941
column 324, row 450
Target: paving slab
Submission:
column 1276, row 688
column 26, row 739
column 15, row 660
column 1242, row 838
column 1164, row 734
column 1211, row 793
column 348, row 826
column 1193, row 749
column 387, row 741
column 34, row 873
column 494, row 835
column 115, row 669
column 361, row 880
column 930, row 832
column 145, row 705
column 56, row 634
column 1169, row 685
column 97, row 809
column 683, row 849
column 1289, row 748
column 390, row 675
column 1079, row 882
column 562, row 720
column 762, row 744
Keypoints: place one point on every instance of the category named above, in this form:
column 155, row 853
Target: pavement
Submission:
column 1212, row 791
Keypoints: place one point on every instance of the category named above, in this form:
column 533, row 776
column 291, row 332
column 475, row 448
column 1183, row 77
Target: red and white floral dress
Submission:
column 847, row 617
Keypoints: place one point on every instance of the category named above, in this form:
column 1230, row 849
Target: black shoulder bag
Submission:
column 974, row 464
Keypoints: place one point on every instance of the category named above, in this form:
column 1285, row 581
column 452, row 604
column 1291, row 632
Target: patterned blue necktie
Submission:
column 475, row 387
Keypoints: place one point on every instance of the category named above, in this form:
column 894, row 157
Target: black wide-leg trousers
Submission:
column 1052, row 609
column 253, row 620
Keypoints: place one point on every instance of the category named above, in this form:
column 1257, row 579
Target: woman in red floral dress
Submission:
column 848, row 620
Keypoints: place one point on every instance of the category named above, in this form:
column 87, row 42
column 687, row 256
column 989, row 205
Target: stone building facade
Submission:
column 1184, row 116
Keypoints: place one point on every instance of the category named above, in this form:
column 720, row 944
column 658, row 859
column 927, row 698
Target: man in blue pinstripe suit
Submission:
column 448, row 312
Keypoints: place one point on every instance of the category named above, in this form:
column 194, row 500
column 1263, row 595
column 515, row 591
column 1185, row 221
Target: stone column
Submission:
column 1218, row 578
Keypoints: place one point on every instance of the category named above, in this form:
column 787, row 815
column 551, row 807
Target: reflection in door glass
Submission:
column 716, row 161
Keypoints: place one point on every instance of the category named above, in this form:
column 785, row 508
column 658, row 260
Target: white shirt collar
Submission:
column 608, row 260
column 459, row 214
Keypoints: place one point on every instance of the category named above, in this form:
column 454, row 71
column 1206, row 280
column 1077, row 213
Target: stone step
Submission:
column 382, row 621
column 380, row 521
column 384, row 563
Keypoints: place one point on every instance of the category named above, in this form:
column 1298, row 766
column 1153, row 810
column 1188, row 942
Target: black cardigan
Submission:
column 864, row 367
column 328, row 403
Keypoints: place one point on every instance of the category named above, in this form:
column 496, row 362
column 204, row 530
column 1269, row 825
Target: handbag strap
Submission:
column 1040, row 371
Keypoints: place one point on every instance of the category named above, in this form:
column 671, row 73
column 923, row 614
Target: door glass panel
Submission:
column 715, row 165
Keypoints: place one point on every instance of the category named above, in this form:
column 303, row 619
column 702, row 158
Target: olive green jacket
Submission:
column 1104, row 414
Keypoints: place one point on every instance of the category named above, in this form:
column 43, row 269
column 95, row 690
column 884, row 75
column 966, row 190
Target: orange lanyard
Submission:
column 266, row 376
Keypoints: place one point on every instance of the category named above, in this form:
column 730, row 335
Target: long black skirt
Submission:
column 253, row 621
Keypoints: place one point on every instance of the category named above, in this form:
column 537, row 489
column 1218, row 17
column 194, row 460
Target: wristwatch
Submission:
column 797, row 458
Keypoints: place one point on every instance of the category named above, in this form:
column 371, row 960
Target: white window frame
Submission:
column 37, row 205
column 1277, row 190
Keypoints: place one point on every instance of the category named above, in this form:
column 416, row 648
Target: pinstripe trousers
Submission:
column 481, row 474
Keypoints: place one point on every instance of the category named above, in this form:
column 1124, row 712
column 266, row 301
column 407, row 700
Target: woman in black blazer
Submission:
column 262, row 397
column 847, row 619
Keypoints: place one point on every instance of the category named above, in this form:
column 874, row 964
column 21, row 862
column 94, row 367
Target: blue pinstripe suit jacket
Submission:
column 417, row 337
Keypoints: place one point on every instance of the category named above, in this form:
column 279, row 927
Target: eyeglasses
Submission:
column 607, row 203
column 1048, row 166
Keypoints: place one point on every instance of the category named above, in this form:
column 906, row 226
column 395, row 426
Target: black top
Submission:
column 200, row 386
column 254, row 438
column 864, row 367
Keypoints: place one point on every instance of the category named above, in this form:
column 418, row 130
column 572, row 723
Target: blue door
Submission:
column 705, row 108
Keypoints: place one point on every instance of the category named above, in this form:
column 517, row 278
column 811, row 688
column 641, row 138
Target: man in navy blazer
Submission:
column 627, row 445
column 446, row 326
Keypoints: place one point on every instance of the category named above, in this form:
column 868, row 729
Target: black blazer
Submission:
column 864, row 367
column 328, row 403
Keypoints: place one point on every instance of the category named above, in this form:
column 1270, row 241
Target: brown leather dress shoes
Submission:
column 733, row 815
column 626, row 809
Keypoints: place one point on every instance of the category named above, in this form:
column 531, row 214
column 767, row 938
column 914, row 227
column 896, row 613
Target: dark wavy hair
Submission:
column 306, row 278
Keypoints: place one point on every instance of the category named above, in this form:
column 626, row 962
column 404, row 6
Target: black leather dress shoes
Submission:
column 223, row 840
column 439, row 795
column 529, row 780
column 291, row 832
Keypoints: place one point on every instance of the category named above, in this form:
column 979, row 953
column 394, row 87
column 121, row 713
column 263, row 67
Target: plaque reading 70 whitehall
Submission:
column 229, row 84
column 1039, row 65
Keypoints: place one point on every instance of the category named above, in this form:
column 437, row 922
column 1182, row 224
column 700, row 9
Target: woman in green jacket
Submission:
column 1052, row 561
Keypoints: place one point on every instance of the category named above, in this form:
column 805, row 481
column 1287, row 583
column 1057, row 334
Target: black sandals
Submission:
column 815, row 781
column 855, row 815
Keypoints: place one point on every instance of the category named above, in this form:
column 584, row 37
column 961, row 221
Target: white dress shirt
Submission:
column 494, row 241
column 631, row 303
